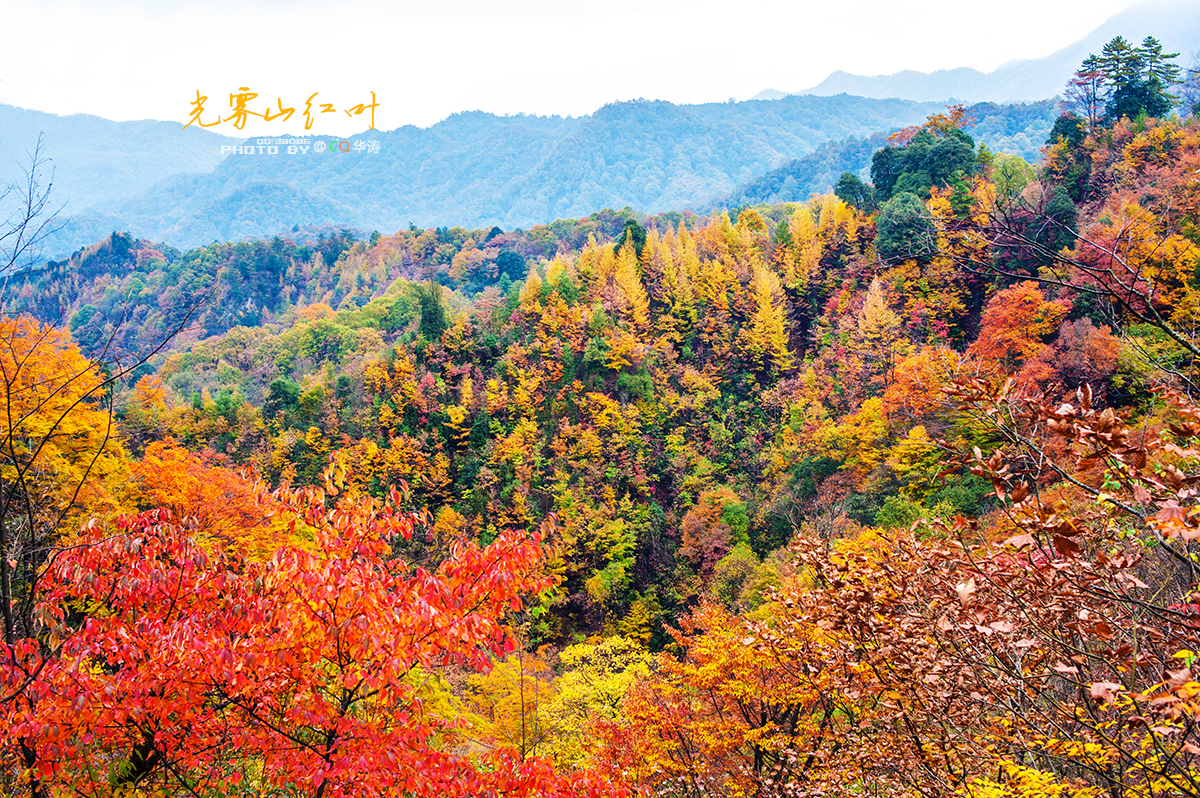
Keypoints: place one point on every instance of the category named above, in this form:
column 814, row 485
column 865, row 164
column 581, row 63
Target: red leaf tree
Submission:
column 166, row 664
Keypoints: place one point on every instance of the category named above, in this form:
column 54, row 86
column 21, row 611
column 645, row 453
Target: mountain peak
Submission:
column 1176, row 23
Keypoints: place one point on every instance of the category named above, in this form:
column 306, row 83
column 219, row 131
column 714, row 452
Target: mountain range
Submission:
column 94, row 160
column 1176, row 23
column 477, row 169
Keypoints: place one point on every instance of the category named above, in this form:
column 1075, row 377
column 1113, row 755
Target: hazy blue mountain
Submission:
column 97, row 160
column 961, row 84
column 815, row 173
column 1176, row 23
column 476, row 169
column 1015, row 129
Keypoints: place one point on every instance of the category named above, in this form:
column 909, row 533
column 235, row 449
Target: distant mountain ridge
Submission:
column 93, row 159
column 476, row 170
column 1176, row 23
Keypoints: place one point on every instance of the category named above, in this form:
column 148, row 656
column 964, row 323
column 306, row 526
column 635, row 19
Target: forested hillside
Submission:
column 892, row 490
column 476, row 169
column 1008, row 129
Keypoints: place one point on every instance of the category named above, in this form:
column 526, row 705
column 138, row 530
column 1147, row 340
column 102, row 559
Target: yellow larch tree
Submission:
column 808, row 247
column 766, row 339
column 634, row 304
column 879, row 337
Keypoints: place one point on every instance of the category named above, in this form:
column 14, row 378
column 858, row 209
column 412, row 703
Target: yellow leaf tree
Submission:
column 58, row 454
column 766, row 340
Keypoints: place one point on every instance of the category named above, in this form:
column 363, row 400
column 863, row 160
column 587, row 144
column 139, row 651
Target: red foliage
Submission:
column 164, row 662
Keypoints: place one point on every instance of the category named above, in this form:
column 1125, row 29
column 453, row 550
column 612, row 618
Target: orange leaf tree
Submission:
column 220, row 505
column 731, row 717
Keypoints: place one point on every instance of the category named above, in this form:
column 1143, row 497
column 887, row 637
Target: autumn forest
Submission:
column 891, row 491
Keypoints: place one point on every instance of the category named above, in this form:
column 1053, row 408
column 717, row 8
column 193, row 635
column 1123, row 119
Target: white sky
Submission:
column 140, row 59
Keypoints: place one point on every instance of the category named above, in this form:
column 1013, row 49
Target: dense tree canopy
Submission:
column 1125, row 80
column 800, row 499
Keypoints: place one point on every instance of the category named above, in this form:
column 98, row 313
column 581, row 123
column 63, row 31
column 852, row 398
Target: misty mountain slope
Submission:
column 476, row 169
column 1020, row 129
column 815, row 173
column 96, row 160
column 1176, row 23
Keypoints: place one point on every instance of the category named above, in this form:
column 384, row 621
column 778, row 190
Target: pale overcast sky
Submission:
column 144, row 59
